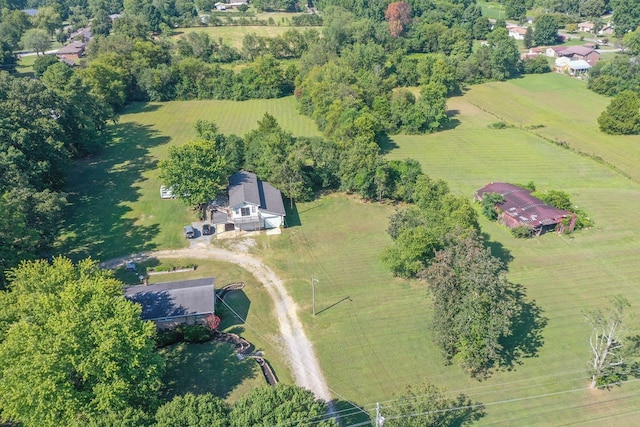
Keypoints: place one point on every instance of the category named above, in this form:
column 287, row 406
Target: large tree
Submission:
column 546, row 32
column 428, row 405
column 203, row 410
column 399, row 16
column 610, row 360
column 626, row 15
column 622, row 115
column 197, row 170
column 37, row 40
column 282, row 404
column 71, row 346
column 474, row 306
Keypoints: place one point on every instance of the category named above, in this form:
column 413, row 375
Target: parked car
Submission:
column 208, row 229
column 166, row 192
column 189, row 232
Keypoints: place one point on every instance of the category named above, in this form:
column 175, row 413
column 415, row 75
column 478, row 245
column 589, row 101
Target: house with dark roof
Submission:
column 520, row 208
column 580, row 53
column 254, row 204
column 169, row 304
column 71, row 52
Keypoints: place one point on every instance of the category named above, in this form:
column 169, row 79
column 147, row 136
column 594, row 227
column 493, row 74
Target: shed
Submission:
column 520, row 208
column 171, row 303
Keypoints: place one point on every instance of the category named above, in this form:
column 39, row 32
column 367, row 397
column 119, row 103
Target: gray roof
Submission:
column 174, row 299
column 245, row 187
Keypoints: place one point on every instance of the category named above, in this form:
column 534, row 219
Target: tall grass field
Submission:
column 371, row 331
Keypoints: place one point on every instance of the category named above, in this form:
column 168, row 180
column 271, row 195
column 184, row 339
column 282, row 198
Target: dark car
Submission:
column 207, row 230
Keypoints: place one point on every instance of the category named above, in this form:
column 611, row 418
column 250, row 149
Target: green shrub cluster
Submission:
column 521, row 232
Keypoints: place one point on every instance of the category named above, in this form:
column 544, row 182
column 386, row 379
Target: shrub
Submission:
column 489, row 201
column 521, row 232
column 195, row 333
column 166, row 337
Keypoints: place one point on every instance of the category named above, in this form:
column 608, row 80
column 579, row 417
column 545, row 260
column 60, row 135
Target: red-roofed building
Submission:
column 520, row 208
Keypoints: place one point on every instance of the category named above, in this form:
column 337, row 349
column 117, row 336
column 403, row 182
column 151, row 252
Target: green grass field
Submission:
column 233, row 35
column 371, row 331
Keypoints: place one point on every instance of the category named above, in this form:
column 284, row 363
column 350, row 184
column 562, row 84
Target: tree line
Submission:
column 45, row 125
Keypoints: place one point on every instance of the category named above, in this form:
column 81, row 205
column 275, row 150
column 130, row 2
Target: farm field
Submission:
column 371, row 331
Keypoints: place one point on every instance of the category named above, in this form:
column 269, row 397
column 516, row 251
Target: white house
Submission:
column 254, row 204
column 517, row 32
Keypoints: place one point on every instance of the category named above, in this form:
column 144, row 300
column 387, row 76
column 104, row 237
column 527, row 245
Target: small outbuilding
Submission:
column 520, row 208
column 169, row 304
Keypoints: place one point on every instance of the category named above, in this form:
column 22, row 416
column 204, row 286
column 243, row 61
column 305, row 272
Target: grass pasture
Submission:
column 371, row 330
column 233, row 35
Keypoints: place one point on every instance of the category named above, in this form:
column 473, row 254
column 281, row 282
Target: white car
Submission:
column 166, row 192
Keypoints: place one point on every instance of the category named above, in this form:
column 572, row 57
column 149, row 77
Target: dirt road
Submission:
column 298, row 349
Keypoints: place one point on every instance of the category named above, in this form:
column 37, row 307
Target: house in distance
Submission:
column 520, row 208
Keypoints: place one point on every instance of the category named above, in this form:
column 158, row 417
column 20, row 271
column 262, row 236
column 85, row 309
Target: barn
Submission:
column 520, row 208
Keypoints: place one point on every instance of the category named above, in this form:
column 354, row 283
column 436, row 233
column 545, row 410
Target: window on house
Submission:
column 253, row 209
column 245, row 211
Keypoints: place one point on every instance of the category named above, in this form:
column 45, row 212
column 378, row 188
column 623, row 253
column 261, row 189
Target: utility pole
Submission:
column 379, row 417
column 314, row 280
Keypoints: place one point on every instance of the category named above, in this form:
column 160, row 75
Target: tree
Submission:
column 546, row 32
column 622, row 115
column 72, row 347
column 281, row 404
column 516, row 9
column 626, row 15
column 631, row 42
column 489, row 202
column 474, row 306
column 528, row 38
column 197, row 171
column 399, row 15
column 203, row 410
column 428, row 405
column 42, row 63
column 37, row 40
column 608, row 364
column 48, row 18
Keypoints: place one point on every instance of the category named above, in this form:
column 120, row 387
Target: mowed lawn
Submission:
column 233, row 35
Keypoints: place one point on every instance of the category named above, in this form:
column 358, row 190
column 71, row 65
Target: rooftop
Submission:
column 173, row 299
column 520, row 204
column 246, row 187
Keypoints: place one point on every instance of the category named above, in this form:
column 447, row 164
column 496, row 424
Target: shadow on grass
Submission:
column 348, row 414
column 386, row 143
column 334, row 304
column 526, row 338
column 234, row 310
column 293, row 217
column 211, row 367
column 100, row 187
column 141, row 107
column 497, row 250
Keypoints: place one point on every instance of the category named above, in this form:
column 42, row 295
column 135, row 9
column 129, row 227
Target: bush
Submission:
column 195, row 333
column 167, row 337
column 489, row 201
column 521, row 232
